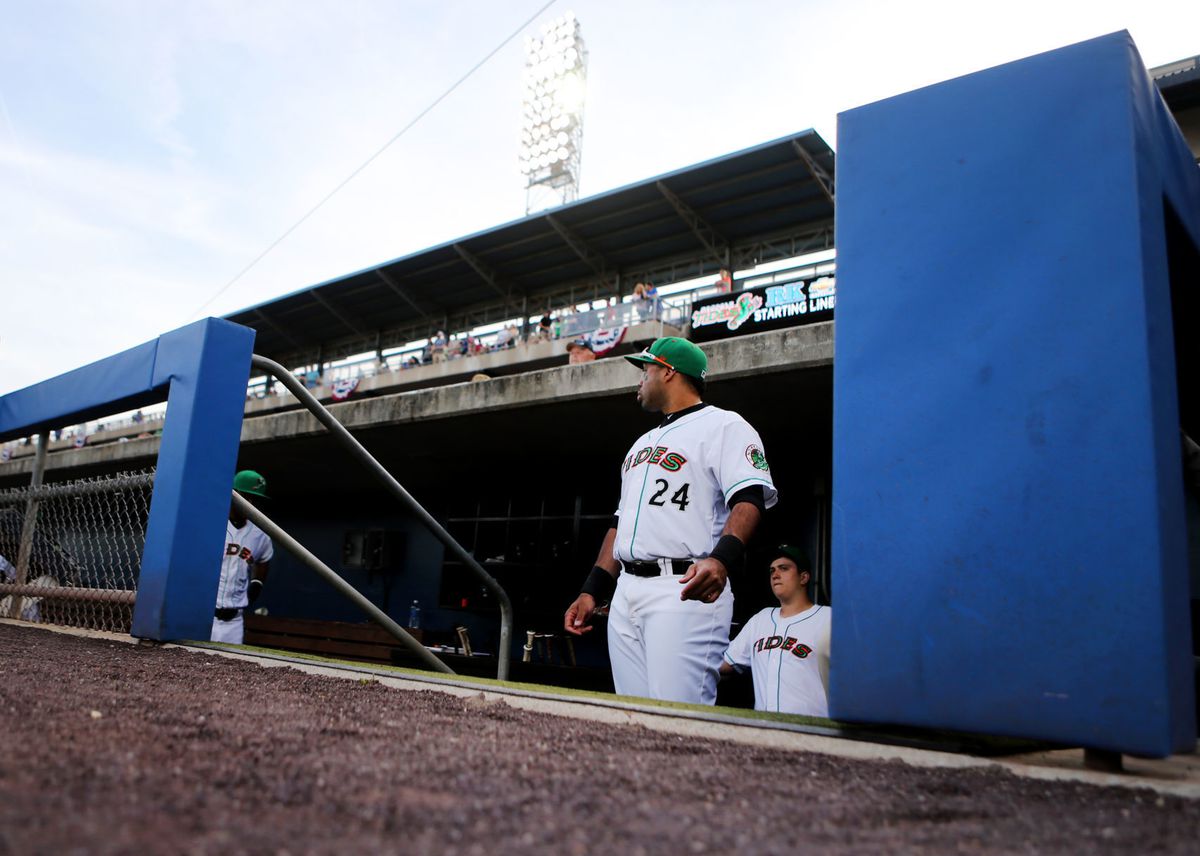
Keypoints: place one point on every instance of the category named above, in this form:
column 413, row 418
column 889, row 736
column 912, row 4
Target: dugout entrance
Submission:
column 529, row 490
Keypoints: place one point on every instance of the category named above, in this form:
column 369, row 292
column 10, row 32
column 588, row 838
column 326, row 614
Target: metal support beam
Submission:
column 402, row 294
column 824, row 179
column 25, row 547
column 589, row 256
column 782, row 246
column 277, row 330
column 336, row 313
column 713, row 240
column 485, row 272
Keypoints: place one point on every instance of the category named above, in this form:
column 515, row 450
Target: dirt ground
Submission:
column 110, row 748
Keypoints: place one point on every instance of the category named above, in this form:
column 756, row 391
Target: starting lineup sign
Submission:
column 767, row 307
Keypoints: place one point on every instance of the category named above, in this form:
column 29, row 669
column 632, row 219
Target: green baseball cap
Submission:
column 674, row 353
column 248, row 481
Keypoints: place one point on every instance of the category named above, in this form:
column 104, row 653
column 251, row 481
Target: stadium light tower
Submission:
column 552, row 128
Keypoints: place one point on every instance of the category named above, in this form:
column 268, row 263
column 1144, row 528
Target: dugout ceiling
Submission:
column 771, row 201
column 554, row 445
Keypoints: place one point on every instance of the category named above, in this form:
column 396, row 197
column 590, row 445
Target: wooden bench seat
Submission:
column 368, row 642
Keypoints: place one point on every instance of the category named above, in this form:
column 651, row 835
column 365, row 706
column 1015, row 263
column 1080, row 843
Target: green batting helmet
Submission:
column 248, row 481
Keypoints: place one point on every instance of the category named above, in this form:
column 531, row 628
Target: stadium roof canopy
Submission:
column 1179, row 82
column 764, row 203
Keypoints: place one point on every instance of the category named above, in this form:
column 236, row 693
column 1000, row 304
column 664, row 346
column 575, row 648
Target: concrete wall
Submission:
column 774, row 352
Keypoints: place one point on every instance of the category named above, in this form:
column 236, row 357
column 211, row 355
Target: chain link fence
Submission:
column 70, row 552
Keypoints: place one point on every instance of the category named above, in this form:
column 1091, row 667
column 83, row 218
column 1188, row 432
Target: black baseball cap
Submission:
column 787, row 551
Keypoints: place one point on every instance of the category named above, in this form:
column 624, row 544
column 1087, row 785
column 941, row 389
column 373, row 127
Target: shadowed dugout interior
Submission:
column 530, row 491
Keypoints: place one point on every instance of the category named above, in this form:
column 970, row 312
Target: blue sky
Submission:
column 149, row 150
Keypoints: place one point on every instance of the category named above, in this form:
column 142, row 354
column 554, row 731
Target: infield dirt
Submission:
column 114, row 748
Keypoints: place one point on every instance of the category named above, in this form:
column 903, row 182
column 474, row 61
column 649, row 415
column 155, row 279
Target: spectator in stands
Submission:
column 312, row 379
column 639, row 291
column 506, row 338
column 438, row 347
column 724, row 281
column 579, row 351
column 545, row 328
column 138, row 417
column 412, row 362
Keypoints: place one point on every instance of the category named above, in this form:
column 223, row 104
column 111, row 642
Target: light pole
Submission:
column 552, row 126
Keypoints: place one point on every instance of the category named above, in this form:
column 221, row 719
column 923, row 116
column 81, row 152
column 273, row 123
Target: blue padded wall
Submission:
column 206, row 366
column 202, row 371
column 1008, row 530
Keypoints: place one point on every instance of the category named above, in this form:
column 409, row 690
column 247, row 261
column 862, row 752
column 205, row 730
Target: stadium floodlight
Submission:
column 555, row 82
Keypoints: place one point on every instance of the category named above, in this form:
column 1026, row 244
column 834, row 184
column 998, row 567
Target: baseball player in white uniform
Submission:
column 693, row 489
column 786, row 647
column 244, row 566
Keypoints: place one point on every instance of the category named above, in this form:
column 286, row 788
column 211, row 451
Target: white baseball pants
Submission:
column 229, row 631
column 665, row 648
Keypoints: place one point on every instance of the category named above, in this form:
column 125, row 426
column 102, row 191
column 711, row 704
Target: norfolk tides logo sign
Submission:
column 766, row 307
column 734, row 313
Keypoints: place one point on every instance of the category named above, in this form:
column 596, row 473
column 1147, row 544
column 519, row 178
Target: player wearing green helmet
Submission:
column 244, row 565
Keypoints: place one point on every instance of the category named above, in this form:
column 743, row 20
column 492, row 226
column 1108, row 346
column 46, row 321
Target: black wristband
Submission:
column 600, row 584
column 254, row 590
column 730, row 551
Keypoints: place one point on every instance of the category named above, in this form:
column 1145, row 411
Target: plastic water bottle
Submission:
column 414, row 615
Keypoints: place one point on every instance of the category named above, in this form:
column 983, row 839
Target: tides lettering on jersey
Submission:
column 242, row 553
column 769, row 643
column 676, row 481
column 661, row 455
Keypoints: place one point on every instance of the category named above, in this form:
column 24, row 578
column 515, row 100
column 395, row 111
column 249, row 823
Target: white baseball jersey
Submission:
column 788, row 658
column 244, row 548
column 676, row 482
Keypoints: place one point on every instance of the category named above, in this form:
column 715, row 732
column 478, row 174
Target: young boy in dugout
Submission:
column 786, row 647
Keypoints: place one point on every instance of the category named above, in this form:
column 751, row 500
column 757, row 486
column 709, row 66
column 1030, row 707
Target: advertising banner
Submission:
column 765, row 307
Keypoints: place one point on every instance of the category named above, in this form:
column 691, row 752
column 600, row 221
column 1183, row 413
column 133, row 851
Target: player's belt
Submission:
column 657, row 568
column 226, row 613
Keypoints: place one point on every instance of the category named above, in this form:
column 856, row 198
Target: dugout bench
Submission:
column 341, row 639
column 370, row 643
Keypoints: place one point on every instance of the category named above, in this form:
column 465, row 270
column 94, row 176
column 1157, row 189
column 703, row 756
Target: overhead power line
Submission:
column 370, row 160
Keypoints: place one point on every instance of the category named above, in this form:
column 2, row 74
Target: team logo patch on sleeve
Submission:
column 756, row 457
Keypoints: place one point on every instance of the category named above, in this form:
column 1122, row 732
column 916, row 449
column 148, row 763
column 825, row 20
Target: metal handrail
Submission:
column 56, row 592
column 275, row 531
column 347, row 439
